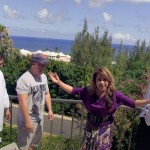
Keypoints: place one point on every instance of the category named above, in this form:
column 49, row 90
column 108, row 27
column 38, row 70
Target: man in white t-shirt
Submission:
column 4, row 98
column 143, row 133
column 33, row 94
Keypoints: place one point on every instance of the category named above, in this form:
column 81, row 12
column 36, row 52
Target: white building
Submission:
column 51, row 55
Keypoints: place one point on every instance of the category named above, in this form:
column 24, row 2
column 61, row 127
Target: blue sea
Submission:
column 34, row 43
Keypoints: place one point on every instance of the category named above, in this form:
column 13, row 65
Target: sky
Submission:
column 126, row 20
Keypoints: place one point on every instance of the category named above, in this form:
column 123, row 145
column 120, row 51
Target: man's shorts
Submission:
column 25, row 139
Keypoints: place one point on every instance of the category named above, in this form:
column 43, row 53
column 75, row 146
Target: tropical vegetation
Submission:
column 130, row 67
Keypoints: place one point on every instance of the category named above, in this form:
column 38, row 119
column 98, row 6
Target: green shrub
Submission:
column 58, row 142
column 48, row 142
column 8, row 136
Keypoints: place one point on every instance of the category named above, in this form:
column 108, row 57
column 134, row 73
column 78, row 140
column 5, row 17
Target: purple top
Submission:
column 96, row 106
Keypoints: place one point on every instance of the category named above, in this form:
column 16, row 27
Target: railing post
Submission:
column 10, row 132
column 130, row 137
column 61, row 125
column 71, row 127
column 51, row 128
column 121, row 132
column 81, row 124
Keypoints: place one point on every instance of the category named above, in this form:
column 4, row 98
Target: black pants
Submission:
column 143, row 136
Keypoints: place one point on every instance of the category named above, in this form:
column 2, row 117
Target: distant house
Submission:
column 113, row 63
column 51, row 55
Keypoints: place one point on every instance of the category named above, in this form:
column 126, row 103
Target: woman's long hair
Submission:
column 105, row 73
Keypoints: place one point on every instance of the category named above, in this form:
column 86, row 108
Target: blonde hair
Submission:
column 104, row 72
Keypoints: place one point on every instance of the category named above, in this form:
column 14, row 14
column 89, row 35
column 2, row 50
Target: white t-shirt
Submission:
column 35, row 90
column 146, row 110
column 4, row 99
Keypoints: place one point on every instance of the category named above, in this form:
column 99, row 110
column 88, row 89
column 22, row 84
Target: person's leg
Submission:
column 100, row 138
column 143, row 136
column 104, row 137
column 37, row 135
column 87, row 137
column 24, row 138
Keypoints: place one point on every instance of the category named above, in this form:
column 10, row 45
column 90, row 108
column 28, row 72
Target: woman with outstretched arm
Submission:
column 101, row 99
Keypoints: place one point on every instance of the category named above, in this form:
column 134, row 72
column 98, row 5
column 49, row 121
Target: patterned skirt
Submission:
column 99, row 139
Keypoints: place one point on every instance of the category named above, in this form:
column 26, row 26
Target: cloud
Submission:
column 124, row 37
column 99, row 3
column 47, row 17
column 117, row 25
column 42, row 33
column 137, row 1
column 47, row 0
column 107, row 17
column 143, row 30
column 77, row 1
column 11, row 13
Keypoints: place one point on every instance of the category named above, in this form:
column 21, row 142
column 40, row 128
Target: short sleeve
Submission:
column 47, row 88
column 22, row 86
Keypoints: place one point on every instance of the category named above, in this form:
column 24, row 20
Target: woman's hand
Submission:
column 54, row 77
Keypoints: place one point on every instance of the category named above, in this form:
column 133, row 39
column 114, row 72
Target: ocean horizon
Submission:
column 36, row 43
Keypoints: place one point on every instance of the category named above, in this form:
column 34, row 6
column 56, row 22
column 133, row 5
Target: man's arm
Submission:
column 6, row 101
column 7, row 106
column 48, row 103
column 24, row 108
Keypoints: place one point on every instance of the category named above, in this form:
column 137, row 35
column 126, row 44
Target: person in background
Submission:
column 101, row 99
column 4, row 98
column 33, row 93
column 143, row 133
